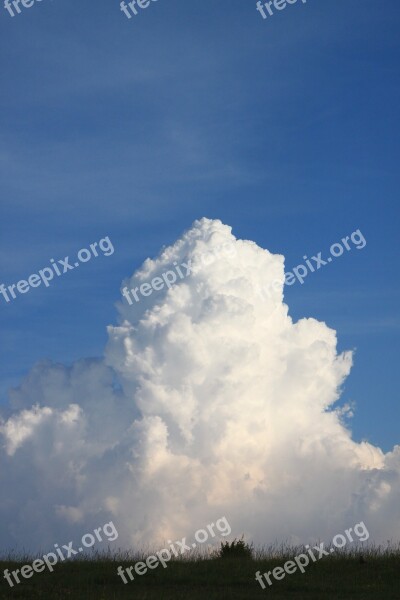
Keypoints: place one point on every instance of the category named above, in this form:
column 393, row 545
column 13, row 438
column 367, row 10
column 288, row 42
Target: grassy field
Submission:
column 376, row 576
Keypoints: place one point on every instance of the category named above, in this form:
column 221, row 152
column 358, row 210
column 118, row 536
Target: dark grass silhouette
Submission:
column 357, row 573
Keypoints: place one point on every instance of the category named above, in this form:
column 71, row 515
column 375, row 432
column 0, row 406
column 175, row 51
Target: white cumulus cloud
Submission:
column 209, row 401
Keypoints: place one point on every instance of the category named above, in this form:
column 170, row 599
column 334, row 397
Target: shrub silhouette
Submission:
column 235, row 549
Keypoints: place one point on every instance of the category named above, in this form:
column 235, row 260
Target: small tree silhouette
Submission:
column 235, row 549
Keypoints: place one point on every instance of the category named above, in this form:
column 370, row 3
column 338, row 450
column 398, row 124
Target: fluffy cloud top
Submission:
column 209, row 400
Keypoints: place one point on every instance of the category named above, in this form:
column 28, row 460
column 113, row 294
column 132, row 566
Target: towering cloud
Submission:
column 209, row 400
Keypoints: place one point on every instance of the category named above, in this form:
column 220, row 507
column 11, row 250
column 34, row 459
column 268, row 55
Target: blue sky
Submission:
column 285, row 128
